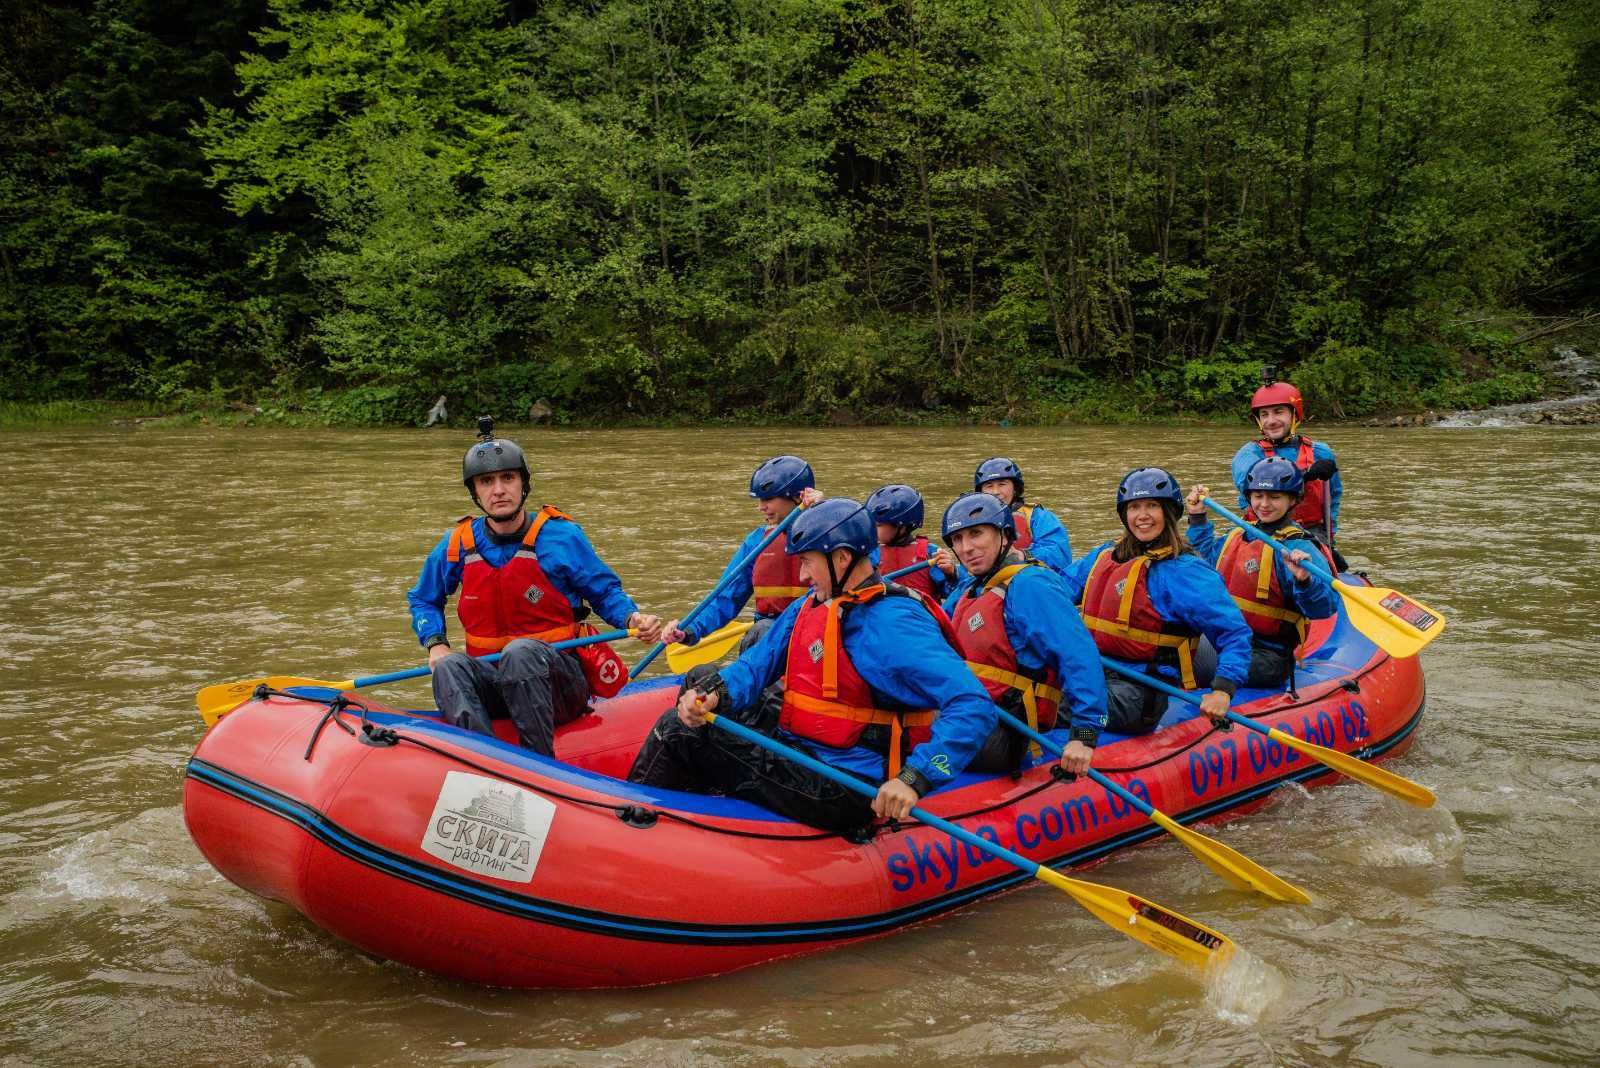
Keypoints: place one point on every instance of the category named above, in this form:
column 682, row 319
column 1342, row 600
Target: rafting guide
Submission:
column 525, row 581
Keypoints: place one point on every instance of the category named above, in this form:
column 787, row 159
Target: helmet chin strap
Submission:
column 834, row 587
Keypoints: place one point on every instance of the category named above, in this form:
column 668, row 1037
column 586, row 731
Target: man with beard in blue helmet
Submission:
column 779, row 486
column 874, row 687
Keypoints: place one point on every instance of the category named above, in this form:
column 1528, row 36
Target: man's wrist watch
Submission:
column 914, row 779
column 436, row 639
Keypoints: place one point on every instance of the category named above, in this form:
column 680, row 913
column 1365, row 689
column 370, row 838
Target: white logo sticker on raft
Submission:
column 489, row 827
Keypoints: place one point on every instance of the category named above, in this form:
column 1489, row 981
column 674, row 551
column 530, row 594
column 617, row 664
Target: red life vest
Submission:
column 1310, row 510
column 1125, row 624
column 982, row 640
column 498, row 605
column 775, row 577
column 825, row 699
column 1247, row 568
column 1021, row 516
column 895, row 557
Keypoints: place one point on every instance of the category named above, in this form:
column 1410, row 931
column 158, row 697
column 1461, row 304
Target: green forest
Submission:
column 683, row 210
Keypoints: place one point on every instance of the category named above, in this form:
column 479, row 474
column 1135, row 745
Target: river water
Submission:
column 140, row 565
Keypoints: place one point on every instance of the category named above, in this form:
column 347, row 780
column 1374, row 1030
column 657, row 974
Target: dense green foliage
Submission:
column 691, row 208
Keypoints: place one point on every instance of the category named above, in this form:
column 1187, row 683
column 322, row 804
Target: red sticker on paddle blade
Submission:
column 1400, row 605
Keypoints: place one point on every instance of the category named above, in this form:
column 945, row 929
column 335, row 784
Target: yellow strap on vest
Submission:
column 1030, row 689
column 1270, row 611
column 1184, row 646
column 1003, row 577
column 781, row 591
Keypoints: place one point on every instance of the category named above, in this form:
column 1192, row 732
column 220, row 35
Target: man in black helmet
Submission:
column 526, row 581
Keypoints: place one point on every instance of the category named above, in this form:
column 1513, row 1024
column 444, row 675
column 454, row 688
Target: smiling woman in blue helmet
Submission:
column 1147, row 600
column 873, row 687
column 1277, row 595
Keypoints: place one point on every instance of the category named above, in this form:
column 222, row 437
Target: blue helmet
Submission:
column 897, row 505
column 977, row 510
column 997, row 467
column 781, row 476
column 836, row 523
column 1275, row 474
column 1149, row 483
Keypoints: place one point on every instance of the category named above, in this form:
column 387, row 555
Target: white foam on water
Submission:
column 1419, row 838
column 1242, row 990
column 133, row 866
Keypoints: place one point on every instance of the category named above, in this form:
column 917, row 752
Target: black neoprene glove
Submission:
column 1321, row 470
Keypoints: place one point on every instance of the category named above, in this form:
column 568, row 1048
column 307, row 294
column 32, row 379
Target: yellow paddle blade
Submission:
column 1236, row 868
column 1395, row 785
column 1397, row 624
column 219, row 699
column 713, row 647
column 1144, row 921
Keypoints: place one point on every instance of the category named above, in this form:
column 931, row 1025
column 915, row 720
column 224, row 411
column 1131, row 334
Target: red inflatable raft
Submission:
column 474, row 859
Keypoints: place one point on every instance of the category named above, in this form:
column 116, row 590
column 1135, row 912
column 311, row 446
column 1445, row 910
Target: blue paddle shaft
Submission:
column 418, row 672
column 850, row 782
column 907, row 570
column 1051, row 747
column 1183, row 695
column 733, row 573
column 1312, row 565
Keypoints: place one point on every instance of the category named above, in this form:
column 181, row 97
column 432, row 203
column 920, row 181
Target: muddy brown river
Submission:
column 141, row 565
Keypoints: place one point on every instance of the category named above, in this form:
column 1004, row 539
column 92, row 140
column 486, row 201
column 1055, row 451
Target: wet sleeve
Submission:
column 1203, row 539
column 1188, row 591
column 568, row 557
column 904, row 657
column 730, row 600
column 761, row 664
column 1076, row 577
column 1047, row 632
column 1316, row 598
column 1243, row 460
column 1050, row 542
column 436, row 582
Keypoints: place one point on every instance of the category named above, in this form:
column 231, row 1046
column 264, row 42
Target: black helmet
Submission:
column 492, row 454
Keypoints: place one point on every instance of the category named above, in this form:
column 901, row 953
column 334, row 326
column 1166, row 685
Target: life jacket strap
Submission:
column 1030, row 689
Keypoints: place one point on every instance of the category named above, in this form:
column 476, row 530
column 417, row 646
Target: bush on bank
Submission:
column 824, row 209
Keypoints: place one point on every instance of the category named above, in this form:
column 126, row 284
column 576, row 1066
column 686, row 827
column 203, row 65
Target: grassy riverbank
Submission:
column 1403, row 388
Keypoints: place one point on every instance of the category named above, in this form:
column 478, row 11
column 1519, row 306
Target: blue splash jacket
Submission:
column 1187, row 590
column 564, row 553
column 1047, row 632
column 901, row 654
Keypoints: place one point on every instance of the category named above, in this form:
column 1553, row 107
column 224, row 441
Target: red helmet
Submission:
column 1279, row 393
